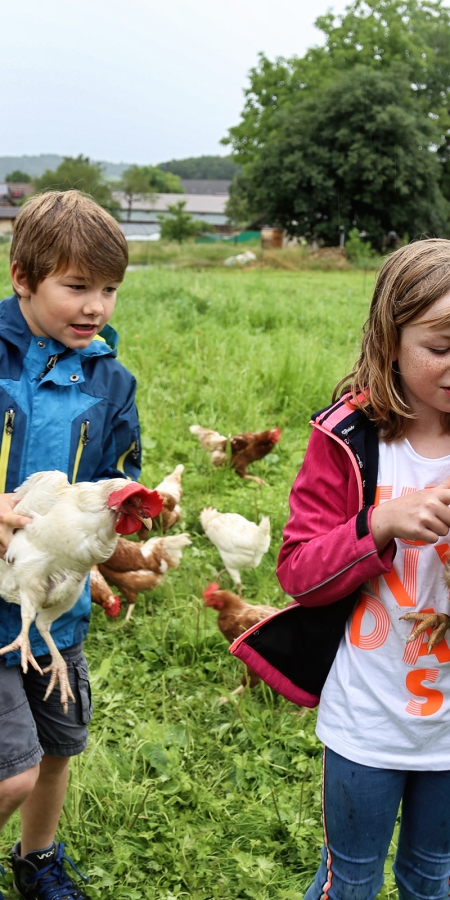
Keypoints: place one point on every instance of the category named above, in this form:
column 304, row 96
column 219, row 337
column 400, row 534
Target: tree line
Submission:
column 354, row 133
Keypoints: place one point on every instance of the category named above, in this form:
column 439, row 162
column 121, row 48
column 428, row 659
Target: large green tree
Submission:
column 80, row 173
column 411, row 34
column 407, row 43
column 358, row 154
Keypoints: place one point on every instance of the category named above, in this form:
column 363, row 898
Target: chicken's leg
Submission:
column 22, row 643
column 439, row 622
column 58, row 668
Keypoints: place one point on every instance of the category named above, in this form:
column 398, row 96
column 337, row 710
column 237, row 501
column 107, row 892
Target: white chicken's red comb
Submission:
column 138, row 503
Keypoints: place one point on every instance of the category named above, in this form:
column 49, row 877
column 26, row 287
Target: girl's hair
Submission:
column 410, row 281
column 59, row 229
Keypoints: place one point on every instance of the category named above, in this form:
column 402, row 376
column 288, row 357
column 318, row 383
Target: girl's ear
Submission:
column 19, row 282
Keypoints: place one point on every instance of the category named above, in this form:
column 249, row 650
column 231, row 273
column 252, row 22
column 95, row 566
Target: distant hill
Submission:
column 37, row 165
column 202, row 167
column 193, row 167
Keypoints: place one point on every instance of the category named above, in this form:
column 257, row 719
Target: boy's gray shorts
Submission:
column 30, row 726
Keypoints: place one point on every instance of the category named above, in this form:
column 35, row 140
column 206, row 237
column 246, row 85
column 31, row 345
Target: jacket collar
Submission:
column 14, row 328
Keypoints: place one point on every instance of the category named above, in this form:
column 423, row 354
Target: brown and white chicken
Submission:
column 235, row 617
column 74, row 527
column 102, row 595
column 142, row 566
column 171, row 491
column 244, row 448
column 241, row 543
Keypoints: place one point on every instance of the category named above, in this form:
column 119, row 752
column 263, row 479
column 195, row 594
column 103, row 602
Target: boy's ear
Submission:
column 19, row 282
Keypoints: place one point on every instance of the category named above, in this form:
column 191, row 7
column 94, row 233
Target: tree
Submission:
column 146, row 181
column 17, row 177
column 80, row 173
column 412, row 35
column 358, row 154
column 179, row 225
column 202, row 167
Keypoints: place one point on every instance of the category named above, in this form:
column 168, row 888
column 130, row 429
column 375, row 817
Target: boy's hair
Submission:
column 410, row 280
column 59, row 229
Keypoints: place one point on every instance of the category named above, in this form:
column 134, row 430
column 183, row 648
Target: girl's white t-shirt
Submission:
column 386, row 703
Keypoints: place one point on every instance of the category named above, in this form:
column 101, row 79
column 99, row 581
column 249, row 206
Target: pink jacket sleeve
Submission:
column 322, row 558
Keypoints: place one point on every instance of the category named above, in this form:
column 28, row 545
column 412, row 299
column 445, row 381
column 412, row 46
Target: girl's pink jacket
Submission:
column 322, row 558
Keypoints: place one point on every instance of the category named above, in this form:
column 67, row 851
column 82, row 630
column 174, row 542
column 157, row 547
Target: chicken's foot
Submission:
column 255, row 479
column 438, row 622
column 58, row 668
column 22, row 643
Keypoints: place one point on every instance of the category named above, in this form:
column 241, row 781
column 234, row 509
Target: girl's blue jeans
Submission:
column 360, row 811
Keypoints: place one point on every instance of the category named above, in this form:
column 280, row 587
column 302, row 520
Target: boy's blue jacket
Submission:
column 65, row 409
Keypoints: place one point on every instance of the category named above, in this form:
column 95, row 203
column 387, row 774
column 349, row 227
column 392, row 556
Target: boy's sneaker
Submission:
column 40, row 875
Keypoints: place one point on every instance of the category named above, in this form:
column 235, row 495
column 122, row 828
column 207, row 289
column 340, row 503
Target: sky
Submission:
column 138, row 80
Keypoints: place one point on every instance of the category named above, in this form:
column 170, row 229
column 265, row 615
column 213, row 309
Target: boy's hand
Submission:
column 421, row 516
column 9, row 520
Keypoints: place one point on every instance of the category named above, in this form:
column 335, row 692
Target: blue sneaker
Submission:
column 40, row 875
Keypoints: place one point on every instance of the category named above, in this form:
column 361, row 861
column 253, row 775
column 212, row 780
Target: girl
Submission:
column 384, row 712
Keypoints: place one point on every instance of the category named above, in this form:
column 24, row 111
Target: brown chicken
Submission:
column 244, row 448
column 102, row 595
column 171, row 491
column 235, row 617
column 136, row 566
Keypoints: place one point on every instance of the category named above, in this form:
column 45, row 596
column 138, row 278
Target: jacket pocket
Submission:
column 83, row 695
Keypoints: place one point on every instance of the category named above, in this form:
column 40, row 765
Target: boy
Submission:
column 65, row 403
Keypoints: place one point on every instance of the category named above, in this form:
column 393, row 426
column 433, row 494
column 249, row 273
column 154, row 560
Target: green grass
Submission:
column 178, row 796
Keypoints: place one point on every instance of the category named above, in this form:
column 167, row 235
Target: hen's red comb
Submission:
column 275, row 435
column 138, row 502
column 211, row 589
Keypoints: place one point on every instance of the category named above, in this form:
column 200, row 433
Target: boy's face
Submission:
column 67, row 307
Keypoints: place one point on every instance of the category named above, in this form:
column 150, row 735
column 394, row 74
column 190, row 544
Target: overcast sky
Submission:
column 138, row 80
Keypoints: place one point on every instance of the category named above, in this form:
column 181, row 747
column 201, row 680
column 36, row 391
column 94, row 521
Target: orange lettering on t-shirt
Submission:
column 442, row 551
column 380, row 630
column 405, row 592
column 433, row 699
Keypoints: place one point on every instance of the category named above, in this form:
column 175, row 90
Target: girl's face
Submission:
column 423, row 361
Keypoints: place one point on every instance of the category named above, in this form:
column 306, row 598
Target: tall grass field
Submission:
column 179, row 796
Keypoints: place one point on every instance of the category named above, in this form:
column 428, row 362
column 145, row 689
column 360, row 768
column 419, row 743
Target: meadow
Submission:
column 179, row 796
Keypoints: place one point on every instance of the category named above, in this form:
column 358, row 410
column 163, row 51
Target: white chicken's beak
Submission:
column 147, row 522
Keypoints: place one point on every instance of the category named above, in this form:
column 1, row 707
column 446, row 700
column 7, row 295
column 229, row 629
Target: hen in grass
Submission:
column 74, row 527
column 136, row 567
column 235, row 617
column 244, row 448
column 241, row 544
column 171, row 491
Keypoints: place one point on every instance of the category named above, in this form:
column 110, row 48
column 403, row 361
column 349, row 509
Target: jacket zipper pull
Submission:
column 135, row 450
column 9, row 420
column 84, row 432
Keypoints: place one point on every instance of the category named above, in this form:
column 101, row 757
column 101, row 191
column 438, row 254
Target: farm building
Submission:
column 209, row 206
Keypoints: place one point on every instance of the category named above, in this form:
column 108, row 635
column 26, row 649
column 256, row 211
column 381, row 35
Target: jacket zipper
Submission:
column 134, row 450
column 8, row 429
column 82, row 441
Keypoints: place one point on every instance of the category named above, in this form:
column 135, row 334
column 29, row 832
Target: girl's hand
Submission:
column 9, row 520
column 421, row 516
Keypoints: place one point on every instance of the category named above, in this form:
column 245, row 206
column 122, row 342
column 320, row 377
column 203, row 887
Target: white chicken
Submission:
column 74, row 527
column 241, row 544
column 171, row 491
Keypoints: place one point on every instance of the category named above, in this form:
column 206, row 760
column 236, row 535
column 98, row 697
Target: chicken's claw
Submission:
column 58, row 668
column 22, row 643
column 439, row 622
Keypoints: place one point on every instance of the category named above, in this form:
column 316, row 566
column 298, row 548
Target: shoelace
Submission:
column 54, row 878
